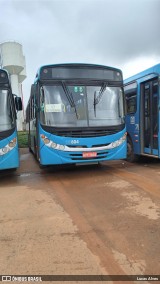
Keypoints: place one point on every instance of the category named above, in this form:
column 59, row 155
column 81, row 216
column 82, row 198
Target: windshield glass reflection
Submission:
column 7, row 119
column 81, row 106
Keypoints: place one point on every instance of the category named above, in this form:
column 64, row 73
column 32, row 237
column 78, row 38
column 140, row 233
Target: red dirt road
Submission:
column 83, row 220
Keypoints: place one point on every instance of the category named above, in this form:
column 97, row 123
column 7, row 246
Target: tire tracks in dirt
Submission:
column 86, row 231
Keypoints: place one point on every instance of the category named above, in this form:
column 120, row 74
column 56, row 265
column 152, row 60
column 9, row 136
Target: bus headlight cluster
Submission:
column 49, row 143
column 118, row 142
column 8, row 147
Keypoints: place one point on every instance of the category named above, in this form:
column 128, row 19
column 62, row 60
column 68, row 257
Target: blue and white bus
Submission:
column 9, row 156
column 143, row 113
column 75, row 114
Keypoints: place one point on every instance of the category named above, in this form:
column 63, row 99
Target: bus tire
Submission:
column 131, row 157
column 12, row 170
column 29, row 143
column 35, row 149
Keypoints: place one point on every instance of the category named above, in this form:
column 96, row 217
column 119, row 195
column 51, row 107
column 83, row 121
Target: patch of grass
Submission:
column 22, row 139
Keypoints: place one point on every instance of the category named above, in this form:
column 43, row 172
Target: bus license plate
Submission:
column 89, row 154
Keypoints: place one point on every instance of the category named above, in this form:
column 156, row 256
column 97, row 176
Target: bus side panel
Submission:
column 133, row 132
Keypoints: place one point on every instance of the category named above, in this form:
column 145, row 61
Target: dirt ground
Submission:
column 83, row 220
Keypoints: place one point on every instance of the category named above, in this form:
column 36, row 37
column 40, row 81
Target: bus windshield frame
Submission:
column 84, row 103
column 7, row 111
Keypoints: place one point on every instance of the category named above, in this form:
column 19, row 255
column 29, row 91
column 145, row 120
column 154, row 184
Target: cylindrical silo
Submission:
column 12, row 57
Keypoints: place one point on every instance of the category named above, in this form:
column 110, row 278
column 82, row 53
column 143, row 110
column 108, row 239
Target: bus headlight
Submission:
column 12, row 143
column 5, row 150
column 46, row 140
column 118, row 142
column 8, row 147
column 51, row 144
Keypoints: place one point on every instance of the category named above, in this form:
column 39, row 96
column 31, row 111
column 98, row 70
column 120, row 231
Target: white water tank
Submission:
column 12, row 57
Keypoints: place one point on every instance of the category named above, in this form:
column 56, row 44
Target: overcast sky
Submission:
column 119, row 33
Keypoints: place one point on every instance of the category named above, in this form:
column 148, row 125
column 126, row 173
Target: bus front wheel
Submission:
column 131, row 157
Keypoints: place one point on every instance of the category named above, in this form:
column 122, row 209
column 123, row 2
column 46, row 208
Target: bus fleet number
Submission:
column 74, row 142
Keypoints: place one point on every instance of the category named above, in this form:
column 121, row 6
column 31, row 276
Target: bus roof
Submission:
column 152, row 70
column 79, row 65
column 49, row 73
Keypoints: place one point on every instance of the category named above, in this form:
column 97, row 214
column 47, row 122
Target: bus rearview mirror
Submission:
column 18, row 103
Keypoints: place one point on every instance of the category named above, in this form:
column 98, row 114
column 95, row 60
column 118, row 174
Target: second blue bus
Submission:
column 143, row 113
column 75, row 114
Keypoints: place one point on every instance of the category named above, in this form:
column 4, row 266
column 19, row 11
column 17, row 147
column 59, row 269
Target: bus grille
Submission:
column 84, row 133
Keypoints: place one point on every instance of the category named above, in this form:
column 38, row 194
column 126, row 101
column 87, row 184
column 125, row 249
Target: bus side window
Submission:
column 131, row 104
column 131, row 97
column 155, row 108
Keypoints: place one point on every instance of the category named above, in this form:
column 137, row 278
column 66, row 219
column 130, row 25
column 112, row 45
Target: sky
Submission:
column 119, row 33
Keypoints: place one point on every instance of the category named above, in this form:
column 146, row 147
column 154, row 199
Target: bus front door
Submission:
column 150, row 118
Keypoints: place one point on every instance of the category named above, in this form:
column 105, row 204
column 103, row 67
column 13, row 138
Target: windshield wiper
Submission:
column 69, row 97
column 97, row 99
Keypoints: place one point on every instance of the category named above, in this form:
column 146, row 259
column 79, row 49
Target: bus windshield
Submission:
column 84, row 105
column 7, row 118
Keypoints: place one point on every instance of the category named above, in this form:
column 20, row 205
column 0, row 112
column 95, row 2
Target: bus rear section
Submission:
column 9, row 156
column 75, row 114
column 143, row 119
